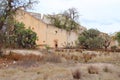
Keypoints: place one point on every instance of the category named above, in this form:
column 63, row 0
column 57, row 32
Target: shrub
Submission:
column 119, row 75
column 76, row 74
column 47, row 47
column 92, row 70
column 91, row 39
column 107, row 69
column 20, row 57
column 113, row 48
column 23, row 60
column 24, row 38
column 87, row 57
column 52, row 58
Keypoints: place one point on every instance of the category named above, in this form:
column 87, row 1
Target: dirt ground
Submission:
column 62, row 71
column 31, row 68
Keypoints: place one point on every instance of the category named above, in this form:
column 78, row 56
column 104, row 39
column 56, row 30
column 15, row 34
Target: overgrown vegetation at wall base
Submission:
column 94, row 39
column 8, row 9
column 24, row 38
column 20, row 37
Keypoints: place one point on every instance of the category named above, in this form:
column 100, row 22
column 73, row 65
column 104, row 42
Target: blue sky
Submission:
column 103, row 15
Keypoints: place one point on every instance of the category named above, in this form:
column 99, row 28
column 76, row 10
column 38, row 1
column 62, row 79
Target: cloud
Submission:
column 110, row 27
column 101, row 14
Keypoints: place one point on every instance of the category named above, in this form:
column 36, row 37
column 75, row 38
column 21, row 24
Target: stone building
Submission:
column 47, row 34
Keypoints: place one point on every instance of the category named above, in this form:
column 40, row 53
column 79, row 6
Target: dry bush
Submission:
column 32, row 57
column 13, row 56
column 52, row 58
column 119, row 75
column 22, row 60
column 67, row 57
column 87, row 57
column 107, row 69
column 76, row 74
column 20, row 57
column 76, row 58
column 93, row 70
column 93, row 55
column 78, row 50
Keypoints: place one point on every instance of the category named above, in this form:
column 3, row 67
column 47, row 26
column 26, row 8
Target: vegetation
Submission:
column 94, row 39
column 8, row 10
column 24, row 38
column 113, row 48
column 93, row 70
column 66, row 20
column 118, row 37
column 90, row 39
column 20, row 37
column 77, row 74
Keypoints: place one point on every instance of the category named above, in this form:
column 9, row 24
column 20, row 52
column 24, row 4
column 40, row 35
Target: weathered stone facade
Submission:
column 47, row 34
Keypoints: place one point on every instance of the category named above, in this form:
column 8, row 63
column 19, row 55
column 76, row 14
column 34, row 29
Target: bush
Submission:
column 52, row 58
column 76, row 74
column 92, row 70
column 47, row 47
column 24, row 38
column 91, row 39
column 19, row 57
column 113, row 48
column 107, row 69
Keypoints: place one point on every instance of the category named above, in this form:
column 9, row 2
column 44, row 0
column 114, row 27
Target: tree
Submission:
column 66, row 20
column 71, row 17
column 55, row 20
column 8, row 10
column 90, row 39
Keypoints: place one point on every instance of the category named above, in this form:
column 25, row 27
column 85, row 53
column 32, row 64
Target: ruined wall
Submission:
column 47, row 34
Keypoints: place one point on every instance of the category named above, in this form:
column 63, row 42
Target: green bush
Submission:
column 90, row 39
column 25, row 38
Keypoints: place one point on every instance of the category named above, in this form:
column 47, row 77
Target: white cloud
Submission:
column 101, row 14
column 105, row 27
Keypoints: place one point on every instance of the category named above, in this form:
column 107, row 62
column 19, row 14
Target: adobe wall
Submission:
column 47, row 34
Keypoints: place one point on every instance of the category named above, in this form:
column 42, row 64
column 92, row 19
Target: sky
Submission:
column 103, row 15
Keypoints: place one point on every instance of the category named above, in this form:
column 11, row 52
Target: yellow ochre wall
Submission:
column 47, row 34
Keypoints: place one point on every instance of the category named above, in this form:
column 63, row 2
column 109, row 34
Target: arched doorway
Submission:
column 56, row 43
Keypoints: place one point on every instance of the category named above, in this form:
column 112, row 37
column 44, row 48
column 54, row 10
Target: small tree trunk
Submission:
column 105, row 48
column 1, row 52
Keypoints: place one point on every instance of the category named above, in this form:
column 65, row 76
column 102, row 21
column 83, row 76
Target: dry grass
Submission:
column 20, row 57
column 77, row 74
column 119, row 75
column 52, row 58
column 107, row 69
column 28, row 60
column 53, row 71
column 15, row 60
column 93, row 70
column 51, row 67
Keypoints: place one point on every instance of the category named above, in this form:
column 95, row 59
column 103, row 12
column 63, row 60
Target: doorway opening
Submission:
column 56, row 43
